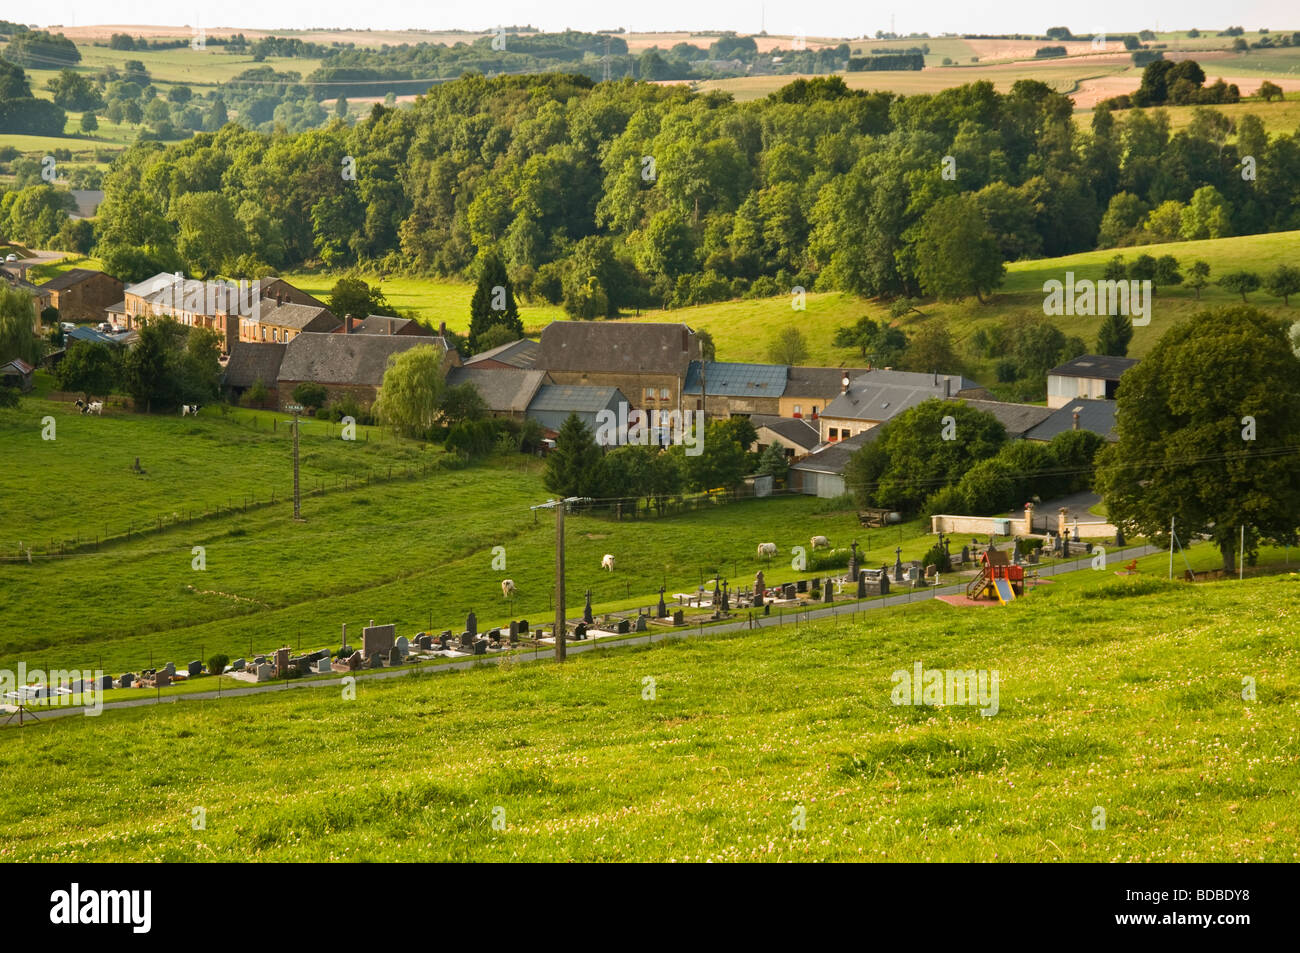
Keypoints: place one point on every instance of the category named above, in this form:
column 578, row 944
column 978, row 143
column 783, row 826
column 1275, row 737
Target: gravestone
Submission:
column 514, row 631
column 354, row 661
column 580, row 630
column 523, row 626
column 281, row 662
column 194, row 669
column 375, row 661
column 323, row 666
column 624, row 627
column 853, row 561
column 587, row 617
column 760, row 586
column 377, row 638
column 259, row 660
column 661, row 609
column 466, row 640
column 1065, row 547
column 790, row 591
column 679, row 617
column 343, row 644
column 425, row 642
column 1119, row 536
column 265, row 672
column 862, row 584
column 801, row 585
column 395, row 656
column 238, row 665
column 726, row 597
column 965, row 554
column 471, row 624
column 127, row 680
column 640, row 622
column 1033, row 557
column 480, row 646
column 884, row 581
column 828, row 591
column 402, row 645
column 105, row 682
column 170, row 669
column 494, row 635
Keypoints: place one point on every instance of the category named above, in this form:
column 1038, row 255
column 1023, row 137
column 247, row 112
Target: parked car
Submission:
column 66, row 326
column 11, row 257
column 104, row 327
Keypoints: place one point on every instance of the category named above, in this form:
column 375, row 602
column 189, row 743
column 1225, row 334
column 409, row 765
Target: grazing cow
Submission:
column 507, row 588
column 94, row 407
column 766, row 550
column 820, row 542
column 188, row 410
column 608, row 562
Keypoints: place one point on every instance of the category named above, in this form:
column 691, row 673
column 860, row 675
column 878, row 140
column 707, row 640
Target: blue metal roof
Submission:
column 737, row 380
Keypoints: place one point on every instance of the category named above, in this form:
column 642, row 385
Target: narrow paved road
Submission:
column 835, row 610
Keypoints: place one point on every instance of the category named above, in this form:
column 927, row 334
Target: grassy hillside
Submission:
column 743, row 330
column 1138, row 712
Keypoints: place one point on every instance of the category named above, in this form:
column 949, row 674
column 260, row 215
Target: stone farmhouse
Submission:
column 81, row 294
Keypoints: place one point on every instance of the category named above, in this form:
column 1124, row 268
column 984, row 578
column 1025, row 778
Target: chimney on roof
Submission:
column 1076, row 420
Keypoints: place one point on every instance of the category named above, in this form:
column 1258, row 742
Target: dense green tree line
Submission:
column 618, row 195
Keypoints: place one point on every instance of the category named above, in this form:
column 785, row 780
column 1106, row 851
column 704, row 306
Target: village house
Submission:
column 798, row 437
column 16, row 373
column 821, row 474
column 520, row 354
column 646, row 361
column 809, row 389
column 383, row 324
column 1097, row 416
column 553, row 404
column 279, row 323
column 1016, row 419
column 81, row 294
column 870, row 399
column 727, row 389
column 507, row 392
column 15, row 278
column 347, row 365
column 250, row 363
column 1090, row 377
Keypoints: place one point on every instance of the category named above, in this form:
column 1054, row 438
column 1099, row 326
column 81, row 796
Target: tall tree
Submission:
column 956, row 253
column 1114, row 335
column 410, row 396
column 493, row 303
column 1207, row 423
column 573, row 467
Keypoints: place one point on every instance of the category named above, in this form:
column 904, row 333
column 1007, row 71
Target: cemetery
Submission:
column 981, row 565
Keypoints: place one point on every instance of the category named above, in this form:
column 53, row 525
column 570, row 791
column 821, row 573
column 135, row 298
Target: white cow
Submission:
column 607, row 562
column 94, row 407
column 189, row 409
column 766, row 550
column 820, row 542
column 507, row 588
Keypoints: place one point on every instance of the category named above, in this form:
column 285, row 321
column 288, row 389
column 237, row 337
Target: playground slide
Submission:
column 1005, row 592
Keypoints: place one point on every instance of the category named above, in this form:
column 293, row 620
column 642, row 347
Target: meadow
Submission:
column 1119, row 694
column 416, row 549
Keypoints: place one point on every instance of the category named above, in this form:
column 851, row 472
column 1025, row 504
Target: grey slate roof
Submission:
column 617, row 347
column 1095, row 415
column 1094, row 366
column 572, row 398
column 345, row 358
column 736, row 380
column 1018, row 419
column 833, row 457
column 383, row 324
column 521, row 353
column 818, row 381
column 71, row 277
column 505, row 390
column 880, row 395
column 251, row 362
column 300, row 317
column 797, row 430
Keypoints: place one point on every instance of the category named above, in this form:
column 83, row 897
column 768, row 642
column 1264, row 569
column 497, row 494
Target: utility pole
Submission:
column 297, row 501
column 560, row 506
column 1171, row 547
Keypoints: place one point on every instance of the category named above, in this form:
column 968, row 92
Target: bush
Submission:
column 310, row 395
column 821, row 560
column 936, row 557
column 217, row 664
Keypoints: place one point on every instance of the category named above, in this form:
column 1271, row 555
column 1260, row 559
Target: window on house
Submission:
column 663, row 393
column 648, row 394
column 798, row 410
column 834, row 434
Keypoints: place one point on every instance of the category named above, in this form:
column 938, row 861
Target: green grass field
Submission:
column 743, row 330
column 1119, row 694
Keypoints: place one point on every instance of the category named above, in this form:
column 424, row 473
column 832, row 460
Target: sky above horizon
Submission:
column 810, row 18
